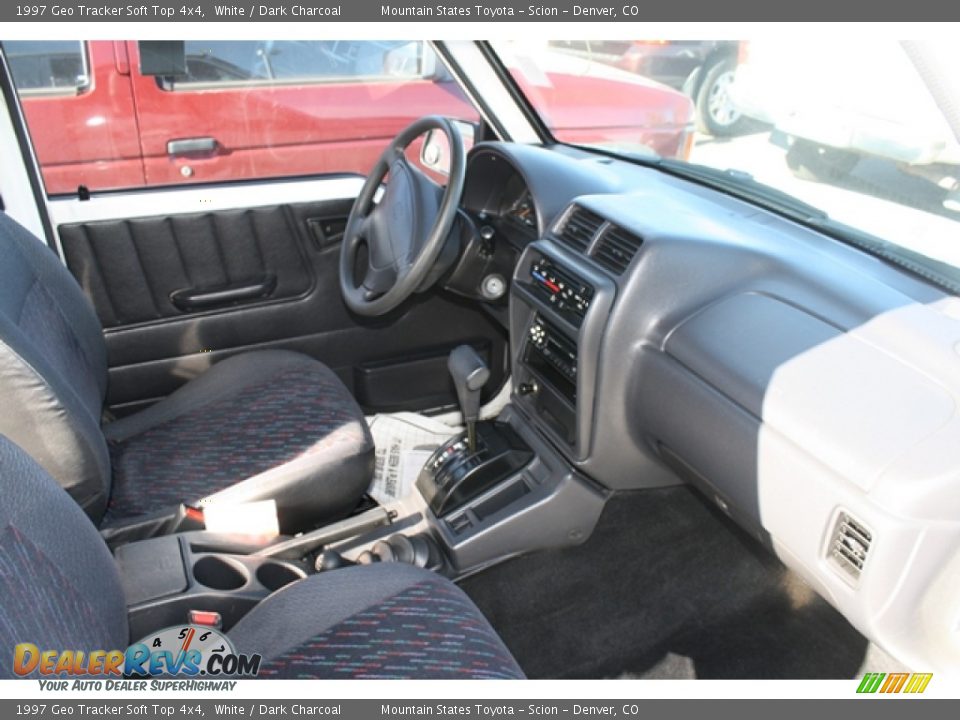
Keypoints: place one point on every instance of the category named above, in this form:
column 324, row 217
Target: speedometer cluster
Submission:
column 522, row 211
column 497, row 196
column 517, row 204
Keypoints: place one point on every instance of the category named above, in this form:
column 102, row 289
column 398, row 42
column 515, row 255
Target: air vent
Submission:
column 616, row 249
column 849, row 545
column 579, row 229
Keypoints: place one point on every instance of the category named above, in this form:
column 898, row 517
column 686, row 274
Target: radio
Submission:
column 552, row 356
column 566, row 292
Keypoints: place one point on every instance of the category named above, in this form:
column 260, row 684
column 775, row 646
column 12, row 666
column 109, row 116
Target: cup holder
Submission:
column 274, row 575
column 218, row 573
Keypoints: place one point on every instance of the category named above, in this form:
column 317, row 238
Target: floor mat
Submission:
column 665, row 587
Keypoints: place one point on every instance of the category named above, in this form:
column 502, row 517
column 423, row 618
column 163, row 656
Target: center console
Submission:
column 511, row 485
column 167, row 578
column 558, row 311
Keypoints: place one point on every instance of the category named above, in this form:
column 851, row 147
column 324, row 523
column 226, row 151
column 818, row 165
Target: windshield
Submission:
column 852, row 128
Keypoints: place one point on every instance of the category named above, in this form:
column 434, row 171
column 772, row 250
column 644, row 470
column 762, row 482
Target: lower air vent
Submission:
column 579, row 228
column 616, row 248
column 849, row 545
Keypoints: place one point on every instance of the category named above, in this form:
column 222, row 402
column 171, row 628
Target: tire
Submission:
column 809, row 161
column 715, row 114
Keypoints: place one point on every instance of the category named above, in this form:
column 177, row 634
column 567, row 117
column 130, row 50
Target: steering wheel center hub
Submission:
column 405, row 233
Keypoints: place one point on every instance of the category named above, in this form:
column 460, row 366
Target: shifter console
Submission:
column 455, row 475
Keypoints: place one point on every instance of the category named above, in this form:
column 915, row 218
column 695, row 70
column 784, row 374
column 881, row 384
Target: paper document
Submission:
column 404, row 441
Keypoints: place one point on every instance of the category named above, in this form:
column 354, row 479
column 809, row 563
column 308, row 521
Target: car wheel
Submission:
column 716, row 114
column 809, row 161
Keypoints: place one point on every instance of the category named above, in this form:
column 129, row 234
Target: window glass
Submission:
column 45, row 66
column 245, row 110
column 281, row 61
column 864, row 130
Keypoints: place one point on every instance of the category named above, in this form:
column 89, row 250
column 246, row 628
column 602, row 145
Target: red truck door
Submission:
column 259, row 109
column 79, row 108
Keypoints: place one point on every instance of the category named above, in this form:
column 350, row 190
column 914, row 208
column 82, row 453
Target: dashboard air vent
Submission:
column 849, row 545
column 616, row 249
column 579, row 228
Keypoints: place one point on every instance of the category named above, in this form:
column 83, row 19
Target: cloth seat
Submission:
column 259, row 425
column 380, row 621
column 265, row 424
column 60, row 589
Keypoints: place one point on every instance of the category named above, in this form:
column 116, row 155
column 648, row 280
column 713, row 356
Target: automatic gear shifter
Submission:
column 471, row 463
column 469, row 374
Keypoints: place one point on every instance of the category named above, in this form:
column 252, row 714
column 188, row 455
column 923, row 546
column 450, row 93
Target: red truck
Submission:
column 254, row 109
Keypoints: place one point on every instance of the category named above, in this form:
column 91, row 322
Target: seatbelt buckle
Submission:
column 206, row 618
column 187, row 518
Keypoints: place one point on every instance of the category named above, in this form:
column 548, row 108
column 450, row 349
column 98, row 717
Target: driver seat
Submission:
column 261, row 425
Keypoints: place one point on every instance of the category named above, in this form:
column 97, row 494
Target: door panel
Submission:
column 133, row 269
column 129, row 267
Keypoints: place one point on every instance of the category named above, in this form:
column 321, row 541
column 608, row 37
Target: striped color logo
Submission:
column 912, row 683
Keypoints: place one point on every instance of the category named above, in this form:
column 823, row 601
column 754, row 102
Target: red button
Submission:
column 207, row 618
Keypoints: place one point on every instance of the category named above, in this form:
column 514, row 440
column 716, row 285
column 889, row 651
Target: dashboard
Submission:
column 663, row 332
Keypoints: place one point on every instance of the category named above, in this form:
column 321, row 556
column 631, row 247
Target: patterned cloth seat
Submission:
column 60, row 589
column 260, row 425
column 266, row 424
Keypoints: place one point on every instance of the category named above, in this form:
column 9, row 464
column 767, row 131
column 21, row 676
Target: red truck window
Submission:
column 42, row 67
column 274, row 62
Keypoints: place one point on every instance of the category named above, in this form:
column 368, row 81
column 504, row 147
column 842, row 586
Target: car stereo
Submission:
column 552, row 356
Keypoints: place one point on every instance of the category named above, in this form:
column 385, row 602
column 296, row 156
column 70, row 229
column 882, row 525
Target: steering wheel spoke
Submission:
column 378, row 281
column 366, row 222
column 405, row 232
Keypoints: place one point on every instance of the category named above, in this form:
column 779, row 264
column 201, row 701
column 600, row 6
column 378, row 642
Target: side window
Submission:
column 53, row 66
column 287, row 61
column 244, row 110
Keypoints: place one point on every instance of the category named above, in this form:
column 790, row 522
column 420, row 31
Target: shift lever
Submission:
column 469, row 374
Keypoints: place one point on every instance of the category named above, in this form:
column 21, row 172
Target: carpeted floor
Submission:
column 665, row 587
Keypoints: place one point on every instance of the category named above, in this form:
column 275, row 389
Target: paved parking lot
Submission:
column 876, row 197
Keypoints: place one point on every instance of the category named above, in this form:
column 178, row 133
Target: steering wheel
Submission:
column 405, row 232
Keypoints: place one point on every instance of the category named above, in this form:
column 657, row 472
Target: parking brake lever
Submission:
column 469, row 374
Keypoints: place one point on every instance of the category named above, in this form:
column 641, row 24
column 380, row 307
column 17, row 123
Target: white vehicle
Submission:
column 839, row 103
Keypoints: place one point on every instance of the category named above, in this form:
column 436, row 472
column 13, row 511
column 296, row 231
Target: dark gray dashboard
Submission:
column 808, row 388
column 763, row 288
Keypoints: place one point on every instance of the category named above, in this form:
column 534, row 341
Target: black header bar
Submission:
column 487, row 11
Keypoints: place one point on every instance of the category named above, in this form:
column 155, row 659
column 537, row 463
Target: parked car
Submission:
column 703, row 69
column 243, row 109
